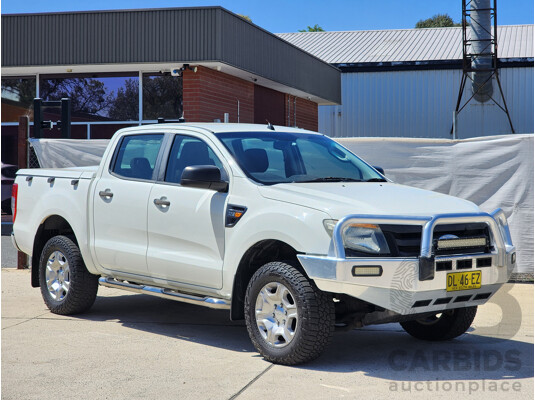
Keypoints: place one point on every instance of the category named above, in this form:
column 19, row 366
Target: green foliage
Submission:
column 436, row 21
column 162, row 97
column 20, row 90
column 125, row 106
column 87, row 95
column 315, row 28
column 245, row 17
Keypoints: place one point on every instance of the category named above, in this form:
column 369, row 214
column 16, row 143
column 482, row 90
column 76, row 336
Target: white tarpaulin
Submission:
column 494, row 171
column 65, row 153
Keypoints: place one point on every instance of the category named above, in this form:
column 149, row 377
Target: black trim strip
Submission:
column 423, row 65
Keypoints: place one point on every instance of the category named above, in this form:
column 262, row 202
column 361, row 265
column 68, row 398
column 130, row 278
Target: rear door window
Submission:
column 136, row 156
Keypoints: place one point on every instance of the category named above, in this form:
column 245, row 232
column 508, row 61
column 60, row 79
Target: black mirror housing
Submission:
column 203, row 177
column 380, row 169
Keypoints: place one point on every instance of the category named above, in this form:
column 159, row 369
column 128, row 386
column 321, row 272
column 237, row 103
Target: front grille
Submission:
column 405, row 240
column 473, row 230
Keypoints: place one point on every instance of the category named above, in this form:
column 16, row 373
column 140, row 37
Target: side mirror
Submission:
column 203, row 177
column 380, row 169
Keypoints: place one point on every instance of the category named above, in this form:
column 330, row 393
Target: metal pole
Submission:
column 37, row 125
column 66, row 118
column 504, row 102
column 295, row 111
column 140, row 97
column 24, row 127
column 454, row 125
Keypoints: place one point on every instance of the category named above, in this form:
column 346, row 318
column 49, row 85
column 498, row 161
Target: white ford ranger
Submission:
column 283, row 227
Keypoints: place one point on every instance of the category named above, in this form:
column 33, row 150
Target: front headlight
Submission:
column 367, row 238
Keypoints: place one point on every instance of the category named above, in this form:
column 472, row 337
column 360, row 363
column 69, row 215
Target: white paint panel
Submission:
column 421, row 104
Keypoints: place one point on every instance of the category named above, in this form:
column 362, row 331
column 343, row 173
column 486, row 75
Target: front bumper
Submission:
column 413, row 285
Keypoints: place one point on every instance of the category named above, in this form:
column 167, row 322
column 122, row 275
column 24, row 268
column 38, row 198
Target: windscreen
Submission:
column 280, row 157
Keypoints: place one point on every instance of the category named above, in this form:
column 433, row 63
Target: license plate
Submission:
column 463, row 281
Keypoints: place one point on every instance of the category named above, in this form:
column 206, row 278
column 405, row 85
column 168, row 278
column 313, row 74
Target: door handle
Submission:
column 105, row 193
column 162, row 202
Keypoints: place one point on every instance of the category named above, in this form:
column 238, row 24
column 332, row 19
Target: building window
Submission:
column 94, row 97
column 17, row 98
column 162, row 96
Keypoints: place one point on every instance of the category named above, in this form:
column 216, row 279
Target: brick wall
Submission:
column 209, row 94
column 306, row 112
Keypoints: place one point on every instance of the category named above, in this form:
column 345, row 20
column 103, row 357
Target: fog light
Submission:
column 513, row 258
column 367, row 270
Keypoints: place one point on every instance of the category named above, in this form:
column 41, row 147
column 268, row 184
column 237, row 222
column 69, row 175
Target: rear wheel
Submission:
column 66, row 285
column 444, row 326
column 290, row 321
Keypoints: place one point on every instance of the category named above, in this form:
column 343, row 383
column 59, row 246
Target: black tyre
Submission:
column 66, row 285
column 290, row 321
column 444, row 326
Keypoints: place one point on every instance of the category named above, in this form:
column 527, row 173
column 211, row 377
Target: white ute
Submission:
column 283, row 227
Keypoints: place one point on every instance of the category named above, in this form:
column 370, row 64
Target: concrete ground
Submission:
column 136, row 346
column 9, row 253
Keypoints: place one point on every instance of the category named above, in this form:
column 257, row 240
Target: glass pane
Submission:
column 295, row 158
column 188, row 151
column 137, row 155
column 17, row 98
column 162, row 96
column 93, row 97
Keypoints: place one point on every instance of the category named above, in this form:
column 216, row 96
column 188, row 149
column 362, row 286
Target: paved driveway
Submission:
column 134, row 346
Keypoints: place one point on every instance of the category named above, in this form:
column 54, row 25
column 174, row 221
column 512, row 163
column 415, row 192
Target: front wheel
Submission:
column 289, row 320
column 444, row 326
column 66, row 285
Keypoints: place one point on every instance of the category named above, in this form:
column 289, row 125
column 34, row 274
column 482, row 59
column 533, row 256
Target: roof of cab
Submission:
column 215, row 127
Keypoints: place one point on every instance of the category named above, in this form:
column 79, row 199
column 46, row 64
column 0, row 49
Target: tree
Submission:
column 162, row 97
column 21, row 90
column 125, row 106
column 315, row 28
column 246, row 17
column 87, row 95
column 436, row 21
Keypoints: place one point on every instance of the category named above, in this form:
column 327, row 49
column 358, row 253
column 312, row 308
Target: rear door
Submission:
column 186, row 225
column 120, row 204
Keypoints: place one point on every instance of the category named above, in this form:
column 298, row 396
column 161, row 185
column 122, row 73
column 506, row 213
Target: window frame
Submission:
column 160, row 179
column 155, row 171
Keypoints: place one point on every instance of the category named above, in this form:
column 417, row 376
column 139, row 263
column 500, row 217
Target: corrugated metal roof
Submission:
column 173, row 35
column 404, row 45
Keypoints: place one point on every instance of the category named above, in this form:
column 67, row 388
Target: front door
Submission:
column 186, row 226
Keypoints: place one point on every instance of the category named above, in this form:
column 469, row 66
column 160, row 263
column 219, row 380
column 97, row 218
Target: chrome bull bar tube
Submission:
column 496, row 221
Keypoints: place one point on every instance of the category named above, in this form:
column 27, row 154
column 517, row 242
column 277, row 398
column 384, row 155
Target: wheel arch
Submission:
column 257, row 255
column 51, row 226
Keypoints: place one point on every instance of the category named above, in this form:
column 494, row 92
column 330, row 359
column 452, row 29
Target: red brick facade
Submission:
column 209, row 94
column 301, row 112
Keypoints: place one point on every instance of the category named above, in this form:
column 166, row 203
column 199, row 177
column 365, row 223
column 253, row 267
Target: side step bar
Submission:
column 210, row 302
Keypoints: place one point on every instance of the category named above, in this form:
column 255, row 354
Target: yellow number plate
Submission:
column 463, row 281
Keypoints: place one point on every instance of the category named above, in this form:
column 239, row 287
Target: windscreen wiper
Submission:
column 376, row 180
column 330, row 179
